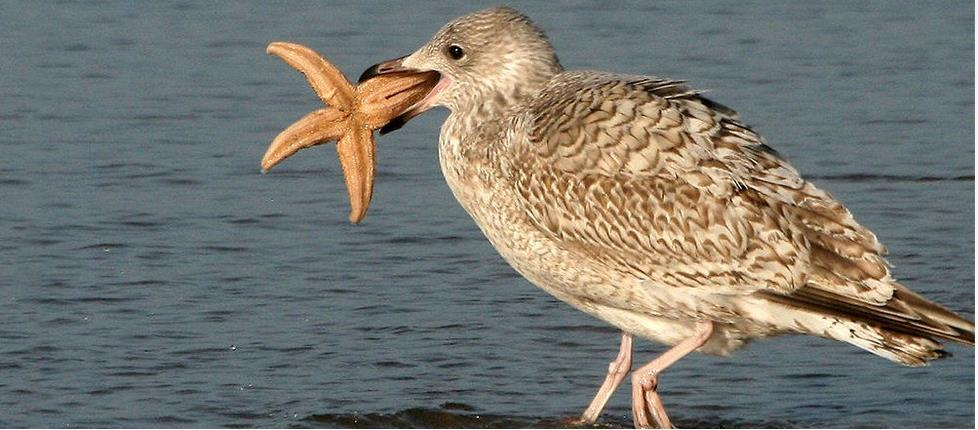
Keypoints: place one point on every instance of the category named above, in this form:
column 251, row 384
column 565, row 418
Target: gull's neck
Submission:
column 473, row 149
column 476, row 121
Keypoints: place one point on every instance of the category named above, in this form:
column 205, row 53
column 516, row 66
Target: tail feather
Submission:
column 903, row 329
column 902, row 348
column 964, row 330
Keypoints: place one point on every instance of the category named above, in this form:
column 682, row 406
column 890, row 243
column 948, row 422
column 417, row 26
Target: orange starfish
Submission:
column 350, row 117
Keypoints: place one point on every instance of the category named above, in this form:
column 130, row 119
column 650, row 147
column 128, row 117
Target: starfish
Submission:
column 351, row 115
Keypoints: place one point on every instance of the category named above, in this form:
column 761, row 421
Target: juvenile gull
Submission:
column 639, row 201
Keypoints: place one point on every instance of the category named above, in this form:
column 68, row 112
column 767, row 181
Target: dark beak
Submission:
column 391, row 66
column 381, row 68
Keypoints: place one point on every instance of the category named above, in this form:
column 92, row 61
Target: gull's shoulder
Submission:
column 587, row 81
column 610, row 123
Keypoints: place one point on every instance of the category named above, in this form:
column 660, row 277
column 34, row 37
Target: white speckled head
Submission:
column 493, row 56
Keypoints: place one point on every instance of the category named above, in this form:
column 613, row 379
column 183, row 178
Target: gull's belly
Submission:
column 662, row 314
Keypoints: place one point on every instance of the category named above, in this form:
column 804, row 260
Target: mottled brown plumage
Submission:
column 653, row 180
column 637, row 200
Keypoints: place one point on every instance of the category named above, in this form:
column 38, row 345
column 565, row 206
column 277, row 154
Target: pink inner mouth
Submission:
column 426, row 103
column 418, row 108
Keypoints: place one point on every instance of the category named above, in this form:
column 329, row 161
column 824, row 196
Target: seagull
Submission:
column 643, row 203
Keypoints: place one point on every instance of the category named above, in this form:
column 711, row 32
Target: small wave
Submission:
column 13, row 182
column 104, row 246
column 862, row 177
column 180, row 181
column 460, row 415
column 225, row 249
column 433, row 418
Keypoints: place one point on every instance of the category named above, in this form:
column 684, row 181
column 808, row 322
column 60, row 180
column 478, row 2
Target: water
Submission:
column 150, row 276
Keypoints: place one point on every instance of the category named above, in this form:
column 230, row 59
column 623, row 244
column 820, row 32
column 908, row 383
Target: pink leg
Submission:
column 645, row 400
column 617, row 370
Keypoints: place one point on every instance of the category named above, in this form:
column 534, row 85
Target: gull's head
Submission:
column 487, row 59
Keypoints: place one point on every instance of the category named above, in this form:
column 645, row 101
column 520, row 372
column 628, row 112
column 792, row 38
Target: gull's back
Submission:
column 648, row 180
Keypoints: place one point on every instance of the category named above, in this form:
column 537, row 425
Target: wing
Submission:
column 649, row 177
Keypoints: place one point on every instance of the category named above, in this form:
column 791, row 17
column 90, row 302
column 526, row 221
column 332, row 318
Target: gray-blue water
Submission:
column 150, row 276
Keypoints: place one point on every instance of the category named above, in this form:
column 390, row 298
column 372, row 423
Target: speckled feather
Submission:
column 641, row 202
column 649, row 177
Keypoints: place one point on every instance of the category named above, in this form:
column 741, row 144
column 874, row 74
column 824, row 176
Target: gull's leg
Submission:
column 617, row 370
column 645, row 400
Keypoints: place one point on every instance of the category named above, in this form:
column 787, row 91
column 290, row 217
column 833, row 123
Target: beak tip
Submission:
column 381, row 68
column 369, row 73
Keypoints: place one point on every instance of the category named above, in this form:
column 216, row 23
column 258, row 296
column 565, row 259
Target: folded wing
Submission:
column 650, row 178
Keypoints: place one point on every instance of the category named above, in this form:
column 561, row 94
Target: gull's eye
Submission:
column 455, row 52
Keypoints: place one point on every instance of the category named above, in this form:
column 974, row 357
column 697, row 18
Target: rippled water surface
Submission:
column 150, row 276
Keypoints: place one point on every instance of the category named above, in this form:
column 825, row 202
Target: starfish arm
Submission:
column 330, row 84
column 316, row 128
column 356, row 153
